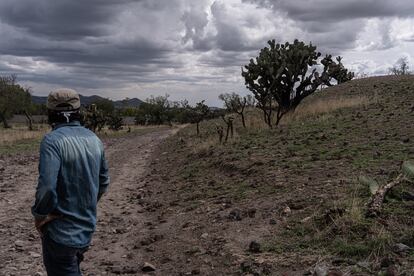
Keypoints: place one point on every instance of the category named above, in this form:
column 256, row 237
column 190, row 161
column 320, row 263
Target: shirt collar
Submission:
column 73, row 123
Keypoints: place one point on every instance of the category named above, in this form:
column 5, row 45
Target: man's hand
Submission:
column 39, row 223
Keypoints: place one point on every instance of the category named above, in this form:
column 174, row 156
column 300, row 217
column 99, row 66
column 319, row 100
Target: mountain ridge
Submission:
column 87, row 100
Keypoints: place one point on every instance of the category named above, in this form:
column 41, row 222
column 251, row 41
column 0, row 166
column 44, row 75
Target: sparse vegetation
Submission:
column 237, row 104
column 310, row 164
column 294, row 192
column 159, row 110
column 18, row 140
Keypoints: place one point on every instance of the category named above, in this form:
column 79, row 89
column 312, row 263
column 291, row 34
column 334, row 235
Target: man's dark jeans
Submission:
column 61, row 260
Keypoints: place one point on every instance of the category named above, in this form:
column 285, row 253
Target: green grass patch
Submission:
column 21, row 146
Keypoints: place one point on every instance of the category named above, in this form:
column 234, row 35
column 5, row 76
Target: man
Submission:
column 73, row 175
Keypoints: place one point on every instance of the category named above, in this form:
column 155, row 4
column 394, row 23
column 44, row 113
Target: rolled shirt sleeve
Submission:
column 49, row 166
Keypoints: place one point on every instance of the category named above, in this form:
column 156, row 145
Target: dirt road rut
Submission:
column 120, row 223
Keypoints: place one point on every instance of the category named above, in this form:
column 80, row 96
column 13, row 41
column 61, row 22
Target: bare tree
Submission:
column 401, row 67
column 235, row 103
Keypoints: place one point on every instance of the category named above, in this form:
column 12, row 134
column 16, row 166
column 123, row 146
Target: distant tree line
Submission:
column 157, row 110
column 160, row 110
column 15, row 99
column 280, row 77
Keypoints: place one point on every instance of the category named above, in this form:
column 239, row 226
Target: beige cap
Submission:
column 63, row 99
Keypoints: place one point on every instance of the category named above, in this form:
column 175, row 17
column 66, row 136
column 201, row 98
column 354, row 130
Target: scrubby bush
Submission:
column 115, row 121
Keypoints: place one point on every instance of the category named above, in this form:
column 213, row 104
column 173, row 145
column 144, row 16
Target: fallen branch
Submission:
column 375, row 205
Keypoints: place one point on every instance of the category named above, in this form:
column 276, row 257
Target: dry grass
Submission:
column 20, row 132
column 255, row 120
column 204, row 144
column 321, row 109
column 322, row 106
column 105, row 132
column 312, row 108
column 208, row 140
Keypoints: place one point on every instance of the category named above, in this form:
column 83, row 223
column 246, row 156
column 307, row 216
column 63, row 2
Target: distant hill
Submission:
column 87, row 100
column 134, row 102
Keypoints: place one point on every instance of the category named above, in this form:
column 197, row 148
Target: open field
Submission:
column 19, row 132
column 281, row 201
column 19, row 140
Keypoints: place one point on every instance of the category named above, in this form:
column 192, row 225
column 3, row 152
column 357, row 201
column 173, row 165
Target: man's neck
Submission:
column 59, row 125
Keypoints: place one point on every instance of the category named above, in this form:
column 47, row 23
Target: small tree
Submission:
column 199, row 113
column 106, row 106
column 115, row 121
column 280, row 79
column 181, row 112
column 401, row 67
column 155, row 111
column 93, row 118
column 13, row 99
column 235, row 104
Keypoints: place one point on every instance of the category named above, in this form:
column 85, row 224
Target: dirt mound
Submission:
column 292, row 192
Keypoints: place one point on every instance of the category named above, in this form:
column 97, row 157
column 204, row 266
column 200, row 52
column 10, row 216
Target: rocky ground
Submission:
column 288, row 201
column 285, row 201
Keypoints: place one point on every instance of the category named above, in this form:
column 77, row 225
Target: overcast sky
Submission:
column 190, row 49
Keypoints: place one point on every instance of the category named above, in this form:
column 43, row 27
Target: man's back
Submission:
column 72, row 175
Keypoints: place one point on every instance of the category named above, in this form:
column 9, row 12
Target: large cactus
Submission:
column 93, row 118
column 279, row 77
column 337, row 71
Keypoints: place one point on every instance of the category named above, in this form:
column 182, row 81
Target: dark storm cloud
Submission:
column 86, row 39
column 73, row 31
column 63, row 19
column 115, row 44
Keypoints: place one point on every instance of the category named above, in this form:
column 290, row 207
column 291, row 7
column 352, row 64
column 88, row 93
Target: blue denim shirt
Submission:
column 72, row 174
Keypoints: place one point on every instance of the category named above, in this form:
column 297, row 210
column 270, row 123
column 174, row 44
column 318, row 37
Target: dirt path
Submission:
column 122, row 212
